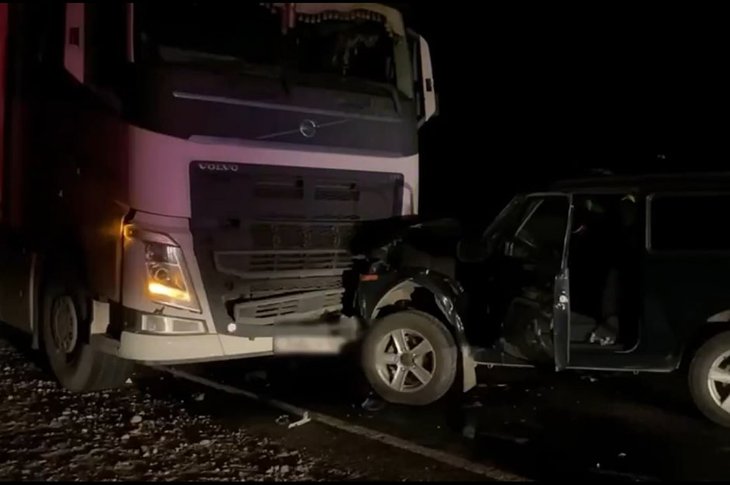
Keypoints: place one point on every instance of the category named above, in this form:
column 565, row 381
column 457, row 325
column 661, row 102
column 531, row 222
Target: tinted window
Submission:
column 690, row 223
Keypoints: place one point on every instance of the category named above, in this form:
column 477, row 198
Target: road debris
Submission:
column 473, row 405
column 259, row 377
column 282, row 420
column 301, row 422
column 372, row 404
column 502, row 437
column 200, row 396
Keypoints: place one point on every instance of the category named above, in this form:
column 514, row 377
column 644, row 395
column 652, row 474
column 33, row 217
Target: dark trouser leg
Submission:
column 607, row 330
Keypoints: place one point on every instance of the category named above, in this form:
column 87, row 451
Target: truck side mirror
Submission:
column 471, row 251
column 425, row 89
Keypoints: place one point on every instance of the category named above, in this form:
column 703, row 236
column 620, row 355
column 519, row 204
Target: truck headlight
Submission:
column 167, row 280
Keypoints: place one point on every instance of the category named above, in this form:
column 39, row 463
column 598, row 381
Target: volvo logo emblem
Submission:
column 308, row 128
column 218, row 167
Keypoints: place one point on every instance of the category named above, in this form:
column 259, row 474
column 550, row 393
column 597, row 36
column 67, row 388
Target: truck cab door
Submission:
column 423, row 81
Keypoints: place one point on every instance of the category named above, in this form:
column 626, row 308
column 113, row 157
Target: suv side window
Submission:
column 546, row 222
column 542, row 228
column 689, row 222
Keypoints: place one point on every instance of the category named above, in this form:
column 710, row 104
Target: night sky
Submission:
column 529, row 93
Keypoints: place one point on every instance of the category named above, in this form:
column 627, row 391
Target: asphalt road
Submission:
column 536, row 425
column 613, row 427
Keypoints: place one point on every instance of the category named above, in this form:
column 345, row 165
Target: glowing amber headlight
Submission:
column 167, row 280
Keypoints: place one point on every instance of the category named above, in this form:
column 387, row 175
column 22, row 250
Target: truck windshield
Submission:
column 356, row 49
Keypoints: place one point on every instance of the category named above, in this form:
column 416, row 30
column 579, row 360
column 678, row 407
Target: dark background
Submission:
column 531, row 93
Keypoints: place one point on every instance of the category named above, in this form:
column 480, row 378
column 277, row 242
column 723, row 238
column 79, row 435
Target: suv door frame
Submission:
column 561, row 325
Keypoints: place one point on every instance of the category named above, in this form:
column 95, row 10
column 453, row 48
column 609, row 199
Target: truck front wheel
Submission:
column 65, row 334
column 410, row 357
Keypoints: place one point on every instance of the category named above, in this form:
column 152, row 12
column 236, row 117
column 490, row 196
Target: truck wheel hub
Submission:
column 64, row 324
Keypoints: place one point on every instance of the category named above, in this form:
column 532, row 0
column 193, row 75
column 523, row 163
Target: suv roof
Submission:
column 690, row 182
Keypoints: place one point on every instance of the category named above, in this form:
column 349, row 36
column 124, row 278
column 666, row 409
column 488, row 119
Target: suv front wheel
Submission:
column 410, row 357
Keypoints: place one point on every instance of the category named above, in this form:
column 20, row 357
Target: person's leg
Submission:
column 607, row 329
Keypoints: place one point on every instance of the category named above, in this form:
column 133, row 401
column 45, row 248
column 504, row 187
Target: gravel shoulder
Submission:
column 161, row 428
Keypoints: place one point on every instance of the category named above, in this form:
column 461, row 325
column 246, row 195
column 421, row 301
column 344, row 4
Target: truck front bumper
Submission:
column 309, row 338
column 171, row 349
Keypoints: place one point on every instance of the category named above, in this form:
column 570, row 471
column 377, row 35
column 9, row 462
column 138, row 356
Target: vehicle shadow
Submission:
column 22, row 342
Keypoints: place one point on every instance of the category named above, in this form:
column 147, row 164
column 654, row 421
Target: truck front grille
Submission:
column 276, row 310
column 281, row 264
column 301, row 235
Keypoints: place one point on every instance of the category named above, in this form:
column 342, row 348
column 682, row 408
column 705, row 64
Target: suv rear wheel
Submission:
column 709, row 379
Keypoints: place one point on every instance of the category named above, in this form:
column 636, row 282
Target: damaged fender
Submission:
column 374, row 297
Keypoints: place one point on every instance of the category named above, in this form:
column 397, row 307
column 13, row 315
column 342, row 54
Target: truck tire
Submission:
column 709, row 379
column 410, row 357
column 65, row 333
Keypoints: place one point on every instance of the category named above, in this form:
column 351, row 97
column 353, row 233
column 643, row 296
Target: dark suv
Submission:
column 620, row 274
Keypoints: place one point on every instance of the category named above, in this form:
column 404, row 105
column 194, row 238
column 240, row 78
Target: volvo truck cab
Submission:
column 181, row 183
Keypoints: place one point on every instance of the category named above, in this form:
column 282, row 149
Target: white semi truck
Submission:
column 180, row 182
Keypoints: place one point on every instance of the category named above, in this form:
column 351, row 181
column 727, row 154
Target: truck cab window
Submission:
column 345, row 51
column 105, row 25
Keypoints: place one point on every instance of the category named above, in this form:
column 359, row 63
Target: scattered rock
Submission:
column 51, row 434
column 282, row 420
column 372, row 404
